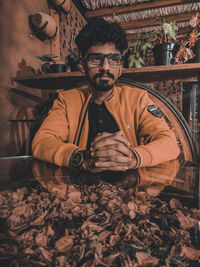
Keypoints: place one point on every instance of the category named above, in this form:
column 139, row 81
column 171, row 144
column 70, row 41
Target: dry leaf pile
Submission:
column 96, row 225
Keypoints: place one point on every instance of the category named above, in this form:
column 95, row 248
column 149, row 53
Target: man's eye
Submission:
column 114, row 59
column 95, row 58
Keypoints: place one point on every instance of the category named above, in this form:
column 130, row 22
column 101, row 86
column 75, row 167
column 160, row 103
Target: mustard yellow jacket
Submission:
column 150, row 137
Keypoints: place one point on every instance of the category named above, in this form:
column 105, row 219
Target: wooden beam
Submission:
column 135, row 7
column 154, row 21
column 184, row 30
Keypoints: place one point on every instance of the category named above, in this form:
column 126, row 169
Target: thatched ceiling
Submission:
column 141, row 16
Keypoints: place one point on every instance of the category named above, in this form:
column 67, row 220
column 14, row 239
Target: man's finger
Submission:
column 103, row 135
column 109, row 140
column 111, row 150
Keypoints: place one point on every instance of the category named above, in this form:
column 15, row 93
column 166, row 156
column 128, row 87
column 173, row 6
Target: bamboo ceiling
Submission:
column 141, row 16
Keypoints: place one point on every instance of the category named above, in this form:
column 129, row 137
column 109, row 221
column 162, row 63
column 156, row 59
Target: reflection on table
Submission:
column 168, row 178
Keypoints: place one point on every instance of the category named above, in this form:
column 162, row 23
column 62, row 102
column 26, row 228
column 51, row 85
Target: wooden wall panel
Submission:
column 70, row 25
column 172, row 89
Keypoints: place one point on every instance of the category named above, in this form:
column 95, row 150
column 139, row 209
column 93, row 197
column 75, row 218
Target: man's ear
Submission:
column 120, row 70
column 82, row 66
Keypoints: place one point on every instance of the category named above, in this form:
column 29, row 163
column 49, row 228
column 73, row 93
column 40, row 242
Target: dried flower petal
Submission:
column 193, row 37
column 194, row 21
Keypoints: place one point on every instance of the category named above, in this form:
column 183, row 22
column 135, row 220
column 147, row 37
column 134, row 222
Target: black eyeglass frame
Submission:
column 102, row 57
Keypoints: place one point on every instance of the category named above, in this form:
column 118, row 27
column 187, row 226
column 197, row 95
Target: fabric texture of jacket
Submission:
column 150, row 138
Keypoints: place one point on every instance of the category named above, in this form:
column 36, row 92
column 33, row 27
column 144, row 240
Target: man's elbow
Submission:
column 175, row 149
column 35, row 147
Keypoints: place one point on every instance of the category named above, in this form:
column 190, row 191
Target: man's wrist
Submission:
column 136, row 159
column 77, row 159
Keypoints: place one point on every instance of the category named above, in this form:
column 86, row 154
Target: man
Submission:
column 101, row 127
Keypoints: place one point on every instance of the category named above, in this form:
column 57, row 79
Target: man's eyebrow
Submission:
column 104, row 54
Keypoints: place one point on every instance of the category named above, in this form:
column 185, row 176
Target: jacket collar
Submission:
column 111, row 101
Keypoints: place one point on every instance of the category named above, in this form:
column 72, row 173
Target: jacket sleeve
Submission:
column 50, row 142
column 159, row 142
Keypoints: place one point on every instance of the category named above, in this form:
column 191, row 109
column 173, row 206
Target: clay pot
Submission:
column 58, row 66
column 42, row 22
column 64, row 4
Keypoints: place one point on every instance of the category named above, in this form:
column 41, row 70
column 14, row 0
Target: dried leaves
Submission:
column 96, row 225
column 185, row 51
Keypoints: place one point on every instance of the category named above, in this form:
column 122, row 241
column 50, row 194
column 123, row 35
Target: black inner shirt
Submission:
column 100, row 120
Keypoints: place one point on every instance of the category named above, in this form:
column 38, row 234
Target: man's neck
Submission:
column 99, row 97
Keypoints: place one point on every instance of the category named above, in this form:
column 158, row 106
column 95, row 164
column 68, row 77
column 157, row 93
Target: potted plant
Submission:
column 165, row 43
column 51, row 64
column 137, row 51
column 73, row 61
column 190, row 49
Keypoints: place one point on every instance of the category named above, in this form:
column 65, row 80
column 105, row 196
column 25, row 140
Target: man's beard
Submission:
column 103, row 85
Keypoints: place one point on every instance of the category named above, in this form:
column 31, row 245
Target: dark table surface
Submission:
column 54, row 216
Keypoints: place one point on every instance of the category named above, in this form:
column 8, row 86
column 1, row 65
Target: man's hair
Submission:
column 99, row 31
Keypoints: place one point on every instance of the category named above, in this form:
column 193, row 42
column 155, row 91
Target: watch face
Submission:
column 77, row 159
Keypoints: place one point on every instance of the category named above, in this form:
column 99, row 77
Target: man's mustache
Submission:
column 100, row 74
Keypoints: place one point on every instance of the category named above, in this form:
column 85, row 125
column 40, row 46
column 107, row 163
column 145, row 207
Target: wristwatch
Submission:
column 77, row 159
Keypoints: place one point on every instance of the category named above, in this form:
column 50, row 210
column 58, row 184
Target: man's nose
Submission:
column 105, row 64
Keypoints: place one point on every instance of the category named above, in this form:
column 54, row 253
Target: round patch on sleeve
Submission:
column 154, row 111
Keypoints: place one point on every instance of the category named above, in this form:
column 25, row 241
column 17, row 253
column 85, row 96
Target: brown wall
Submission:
column 18, row 50
column 16, row 43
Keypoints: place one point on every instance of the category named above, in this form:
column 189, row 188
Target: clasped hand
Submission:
column 109, row 151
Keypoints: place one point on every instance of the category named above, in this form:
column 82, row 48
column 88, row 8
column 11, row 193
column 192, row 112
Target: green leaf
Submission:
column 47, row 57
column 45, row 64
column 146, row 46
column 168, row 30
column 131, row 61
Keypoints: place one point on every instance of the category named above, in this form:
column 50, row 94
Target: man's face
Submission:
column 103, row 65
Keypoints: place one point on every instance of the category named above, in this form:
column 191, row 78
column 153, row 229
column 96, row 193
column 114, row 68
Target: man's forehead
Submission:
column 103, row 48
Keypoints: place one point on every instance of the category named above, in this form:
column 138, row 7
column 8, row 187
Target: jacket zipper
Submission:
column 88, row 105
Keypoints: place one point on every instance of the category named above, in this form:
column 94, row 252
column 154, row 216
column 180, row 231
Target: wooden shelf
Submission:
column 66, row 80
column 184, row 72
column 50, row 81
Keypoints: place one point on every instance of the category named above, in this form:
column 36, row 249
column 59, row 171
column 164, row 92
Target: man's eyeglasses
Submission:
column 98, row 59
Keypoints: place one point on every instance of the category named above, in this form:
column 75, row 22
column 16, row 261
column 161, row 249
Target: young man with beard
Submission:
column 100, row 126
